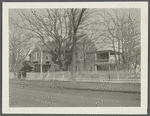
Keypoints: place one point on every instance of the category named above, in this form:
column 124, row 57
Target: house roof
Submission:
column 43, row 47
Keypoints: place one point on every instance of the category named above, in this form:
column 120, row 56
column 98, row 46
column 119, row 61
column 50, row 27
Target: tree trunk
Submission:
column 119, row 52
column 123, row 59
column 73, row 71
column 84, row 60
column 116, row 60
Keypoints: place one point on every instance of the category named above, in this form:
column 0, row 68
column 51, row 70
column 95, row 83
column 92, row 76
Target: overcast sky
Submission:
column 134, row 11
column 95, row 16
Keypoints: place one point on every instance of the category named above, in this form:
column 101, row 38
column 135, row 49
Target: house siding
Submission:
column 44, row 53
column 39, row 57
column 44, row 57
column 35, row 50
column 90, row 58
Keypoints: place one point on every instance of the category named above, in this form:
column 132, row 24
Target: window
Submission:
column 47, row 57
column 36, row 56
column 102, row 56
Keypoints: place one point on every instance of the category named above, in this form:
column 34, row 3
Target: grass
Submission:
column 96, row 86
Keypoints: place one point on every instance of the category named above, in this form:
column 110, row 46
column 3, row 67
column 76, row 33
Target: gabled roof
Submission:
column 43, row 47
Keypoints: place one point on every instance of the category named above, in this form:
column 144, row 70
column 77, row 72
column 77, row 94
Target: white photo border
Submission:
column 75, row 110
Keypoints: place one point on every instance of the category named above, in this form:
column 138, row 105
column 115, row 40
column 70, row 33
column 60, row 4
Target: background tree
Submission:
column 49, row 26
column 121, row 31
column 19, row 47
column 78, row 20
column 60, row 26
column 86, row 45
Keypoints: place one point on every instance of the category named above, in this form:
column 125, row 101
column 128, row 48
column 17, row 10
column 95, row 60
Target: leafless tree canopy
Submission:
column 19, row 46
column 121, row 31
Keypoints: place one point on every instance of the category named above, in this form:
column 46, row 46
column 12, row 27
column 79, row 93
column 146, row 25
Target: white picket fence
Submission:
column 104, row 76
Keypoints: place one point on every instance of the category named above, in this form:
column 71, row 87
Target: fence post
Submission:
column 47, row 75
column 109, row 71
column 118, row 76
column 54, row 76
column 126, row 74
column 77, row 75
column 63, row 76
column 30, row 76
column 116, row 72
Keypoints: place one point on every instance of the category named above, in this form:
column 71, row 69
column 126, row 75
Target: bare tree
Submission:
column 121, row 31
column 49, row 26
column 58, row 25
column 87, row 44
column 19, row 47
column 78, row 19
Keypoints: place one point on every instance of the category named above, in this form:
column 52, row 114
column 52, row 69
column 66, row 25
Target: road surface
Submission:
column 22, row 95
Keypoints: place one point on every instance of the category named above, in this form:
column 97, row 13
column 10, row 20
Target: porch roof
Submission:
column 105, row 51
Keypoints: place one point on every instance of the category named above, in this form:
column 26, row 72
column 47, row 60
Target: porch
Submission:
column 45, row 67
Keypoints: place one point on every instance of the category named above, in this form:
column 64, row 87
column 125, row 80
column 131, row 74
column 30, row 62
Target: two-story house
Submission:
column 95, row 60
column 40, row 58
column 101, row 60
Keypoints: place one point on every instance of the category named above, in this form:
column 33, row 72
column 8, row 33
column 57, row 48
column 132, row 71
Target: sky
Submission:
column 94, row 16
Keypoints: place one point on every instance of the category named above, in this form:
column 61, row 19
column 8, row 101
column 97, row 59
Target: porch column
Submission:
column 95, row 68
column 33, row 68
column 109, row 71
column 109, row 65
column 109, row 57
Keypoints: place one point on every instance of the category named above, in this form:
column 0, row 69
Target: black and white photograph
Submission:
column 64, row 55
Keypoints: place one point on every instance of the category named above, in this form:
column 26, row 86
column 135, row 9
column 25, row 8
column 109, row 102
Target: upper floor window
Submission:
column 47, row 57
column 36, row 56
column 102, row 56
